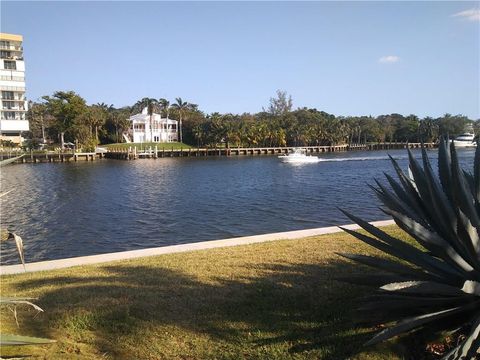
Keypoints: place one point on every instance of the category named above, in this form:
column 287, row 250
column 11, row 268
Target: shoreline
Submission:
column 173, row 249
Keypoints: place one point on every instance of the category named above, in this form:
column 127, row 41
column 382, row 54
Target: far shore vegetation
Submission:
column 66, row 117
column 275, row 300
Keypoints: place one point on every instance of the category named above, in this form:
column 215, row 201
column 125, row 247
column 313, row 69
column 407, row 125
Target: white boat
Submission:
column 464, row 140
column 298, row 157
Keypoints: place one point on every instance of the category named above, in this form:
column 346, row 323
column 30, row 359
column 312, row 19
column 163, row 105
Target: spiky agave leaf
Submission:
column 19, row 301
column 16, row 340
column 435, row 285
column 8, row 235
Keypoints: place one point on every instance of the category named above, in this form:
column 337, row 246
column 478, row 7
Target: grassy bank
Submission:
column 276, row 300
column 160, row 146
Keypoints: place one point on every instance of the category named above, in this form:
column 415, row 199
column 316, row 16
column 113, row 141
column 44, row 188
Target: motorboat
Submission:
column 464, row 140
column 298, row 156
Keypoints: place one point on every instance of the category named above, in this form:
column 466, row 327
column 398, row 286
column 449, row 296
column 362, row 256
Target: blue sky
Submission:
column 346, row 58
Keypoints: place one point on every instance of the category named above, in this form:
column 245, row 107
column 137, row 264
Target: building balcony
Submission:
column 12, row 57
column 10, row 99
column 15, row 108
column 11, row 78
column 12, row 88
column 13, row 125
column 11, row 47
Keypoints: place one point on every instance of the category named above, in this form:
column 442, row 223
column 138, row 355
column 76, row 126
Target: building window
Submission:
column 5, row 44
column 9, row 65
column 7, row 104
column 5, row 54
column 7, row 95
column 9, row 115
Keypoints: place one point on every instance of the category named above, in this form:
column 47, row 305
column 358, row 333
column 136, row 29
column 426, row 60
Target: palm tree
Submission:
column 165, row 104
column 428, row 129
column 120, row 121
column 100, row 113
column 182, row 107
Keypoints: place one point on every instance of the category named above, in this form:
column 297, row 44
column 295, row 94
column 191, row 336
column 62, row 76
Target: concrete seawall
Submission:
column 171, row 249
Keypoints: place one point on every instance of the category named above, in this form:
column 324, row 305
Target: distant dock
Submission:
column 133, row 153
column 49, row 157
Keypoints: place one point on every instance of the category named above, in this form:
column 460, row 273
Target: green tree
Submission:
column 65, row 107
column 407, row 128
column 118, row 121
column 99, row 113
column 452, row 125
column 428, row 130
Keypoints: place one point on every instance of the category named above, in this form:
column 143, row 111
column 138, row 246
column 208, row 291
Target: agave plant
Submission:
column 433, row 285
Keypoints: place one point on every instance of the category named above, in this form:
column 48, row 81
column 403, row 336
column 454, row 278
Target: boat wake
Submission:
column 366, row 158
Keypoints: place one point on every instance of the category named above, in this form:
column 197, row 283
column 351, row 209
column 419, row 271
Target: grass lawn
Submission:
column 160, row 146
column 276, row 300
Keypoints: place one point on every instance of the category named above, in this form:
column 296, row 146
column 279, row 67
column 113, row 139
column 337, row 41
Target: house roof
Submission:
column 143, row 117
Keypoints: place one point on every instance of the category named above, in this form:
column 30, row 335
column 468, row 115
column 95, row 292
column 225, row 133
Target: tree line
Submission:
column 65, row 117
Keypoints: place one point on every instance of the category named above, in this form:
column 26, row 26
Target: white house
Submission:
column 153, row 129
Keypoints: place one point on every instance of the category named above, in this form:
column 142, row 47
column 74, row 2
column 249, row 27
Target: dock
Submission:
column 134, row 153
column 49, row 157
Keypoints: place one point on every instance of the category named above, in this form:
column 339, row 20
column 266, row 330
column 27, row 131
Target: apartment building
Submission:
column 13, row 104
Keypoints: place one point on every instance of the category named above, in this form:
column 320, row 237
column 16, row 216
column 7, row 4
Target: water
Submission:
column 84, row 208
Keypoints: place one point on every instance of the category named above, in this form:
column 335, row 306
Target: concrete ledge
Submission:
column 171, row 249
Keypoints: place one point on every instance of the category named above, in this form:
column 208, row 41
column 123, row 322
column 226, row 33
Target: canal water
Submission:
column 84, row 208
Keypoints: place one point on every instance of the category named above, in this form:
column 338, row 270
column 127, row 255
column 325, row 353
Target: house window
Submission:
column 5, row 54
column 9, row 65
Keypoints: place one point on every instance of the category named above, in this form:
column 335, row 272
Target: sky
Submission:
column 345, row 58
